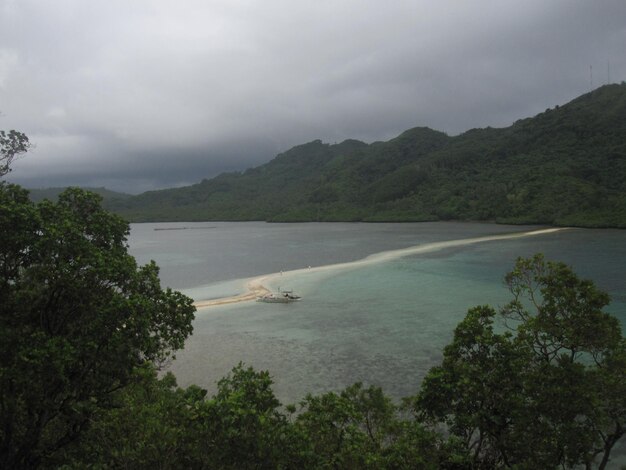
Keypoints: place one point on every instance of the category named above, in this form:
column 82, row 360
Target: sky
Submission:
column 148, row 94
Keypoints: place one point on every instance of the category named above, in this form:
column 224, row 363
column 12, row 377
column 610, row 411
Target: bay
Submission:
column 383, row 324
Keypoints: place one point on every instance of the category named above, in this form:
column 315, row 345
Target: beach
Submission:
column 256, row 287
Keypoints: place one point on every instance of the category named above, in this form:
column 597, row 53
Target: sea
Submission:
column 384, row 323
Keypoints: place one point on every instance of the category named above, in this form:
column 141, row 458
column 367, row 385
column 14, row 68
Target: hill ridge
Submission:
column 564, row 166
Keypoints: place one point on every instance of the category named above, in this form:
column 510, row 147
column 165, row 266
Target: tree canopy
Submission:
column 12, row 144
column 547, row 391
column 77, row 316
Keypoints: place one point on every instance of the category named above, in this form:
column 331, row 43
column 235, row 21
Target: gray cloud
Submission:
column 152, row 93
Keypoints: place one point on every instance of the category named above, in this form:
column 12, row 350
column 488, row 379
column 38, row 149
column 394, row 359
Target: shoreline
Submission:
column 255, row 287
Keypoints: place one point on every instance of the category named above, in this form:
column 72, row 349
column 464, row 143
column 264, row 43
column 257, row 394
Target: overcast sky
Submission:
column 144, row 94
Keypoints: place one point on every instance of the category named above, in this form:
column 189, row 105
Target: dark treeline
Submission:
column 565, row 166
column 83, row 331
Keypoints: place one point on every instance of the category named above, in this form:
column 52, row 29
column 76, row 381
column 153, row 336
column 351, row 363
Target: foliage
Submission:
column 361, row 428
column 38, row 195
column 76, row 317
column 547, row 394
column 12, row 145
column 565, row 166
column 242, row 426
column 151, row 424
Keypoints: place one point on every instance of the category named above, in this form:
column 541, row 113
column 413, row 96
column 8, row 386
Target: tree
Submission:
column 77, row 316
column 12, row 144
column 549, row 393
column 578, row 351
column 242, row 426
column 360, row 428
column 152, row 425
column 475, row 388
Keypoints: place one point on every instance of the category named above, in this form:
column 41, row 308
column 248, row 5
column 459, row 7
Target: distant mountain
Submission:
column 565, row 166
column 37, row 195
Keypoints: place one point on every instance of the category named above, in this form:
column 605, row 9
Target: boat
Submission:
column 282, row 297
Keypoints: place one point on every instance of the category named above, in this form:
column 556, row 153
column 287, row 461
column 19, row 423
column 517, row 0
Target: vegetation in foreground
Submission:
column 83, row 330
column 565, row 166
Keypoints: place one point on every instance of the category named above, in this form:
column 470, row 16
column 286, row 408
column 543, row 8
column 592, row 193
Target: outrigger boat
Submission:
column 282, row 297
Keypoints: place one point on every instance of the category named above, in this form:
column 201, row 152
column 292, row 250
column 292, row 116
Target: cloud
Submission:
column 153, row 93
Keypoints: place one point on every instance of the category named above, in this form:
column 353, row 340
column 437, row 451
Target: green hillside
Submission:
column 38, row 195
column 565, row 166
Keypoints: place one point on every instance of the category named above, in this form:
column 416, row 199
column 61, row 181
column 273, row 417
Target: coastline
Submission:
column 256, row 287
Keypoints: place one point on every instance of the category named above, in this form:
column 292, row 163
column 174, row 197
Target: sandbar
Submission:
column 255, row 287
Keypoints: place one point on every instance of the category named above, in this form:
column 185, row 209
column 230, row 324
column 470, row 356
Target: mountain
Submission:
column 38, row 195
column 565, row 166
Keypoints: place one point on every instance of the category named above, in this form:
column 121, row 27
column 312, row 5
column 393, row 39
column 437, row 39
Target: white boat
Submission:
column 282, row 297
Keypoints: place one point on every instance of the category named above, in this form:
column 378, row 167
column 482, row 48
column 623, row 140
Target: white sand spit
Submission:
column 256, row 287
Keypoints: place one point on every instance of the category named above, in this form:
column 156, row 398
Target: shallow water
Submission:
column 383, row 324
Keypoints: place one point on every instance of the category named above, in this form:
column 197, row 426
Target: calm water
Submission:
column 383, row 324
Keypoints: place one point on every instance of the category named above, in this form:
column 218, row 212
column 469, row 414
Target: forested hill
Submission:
column 565, row 166
column 37, row 195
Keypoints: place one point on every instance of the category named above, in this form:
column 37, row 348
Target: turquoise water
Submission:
column 383, row 324
column 195, row 255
